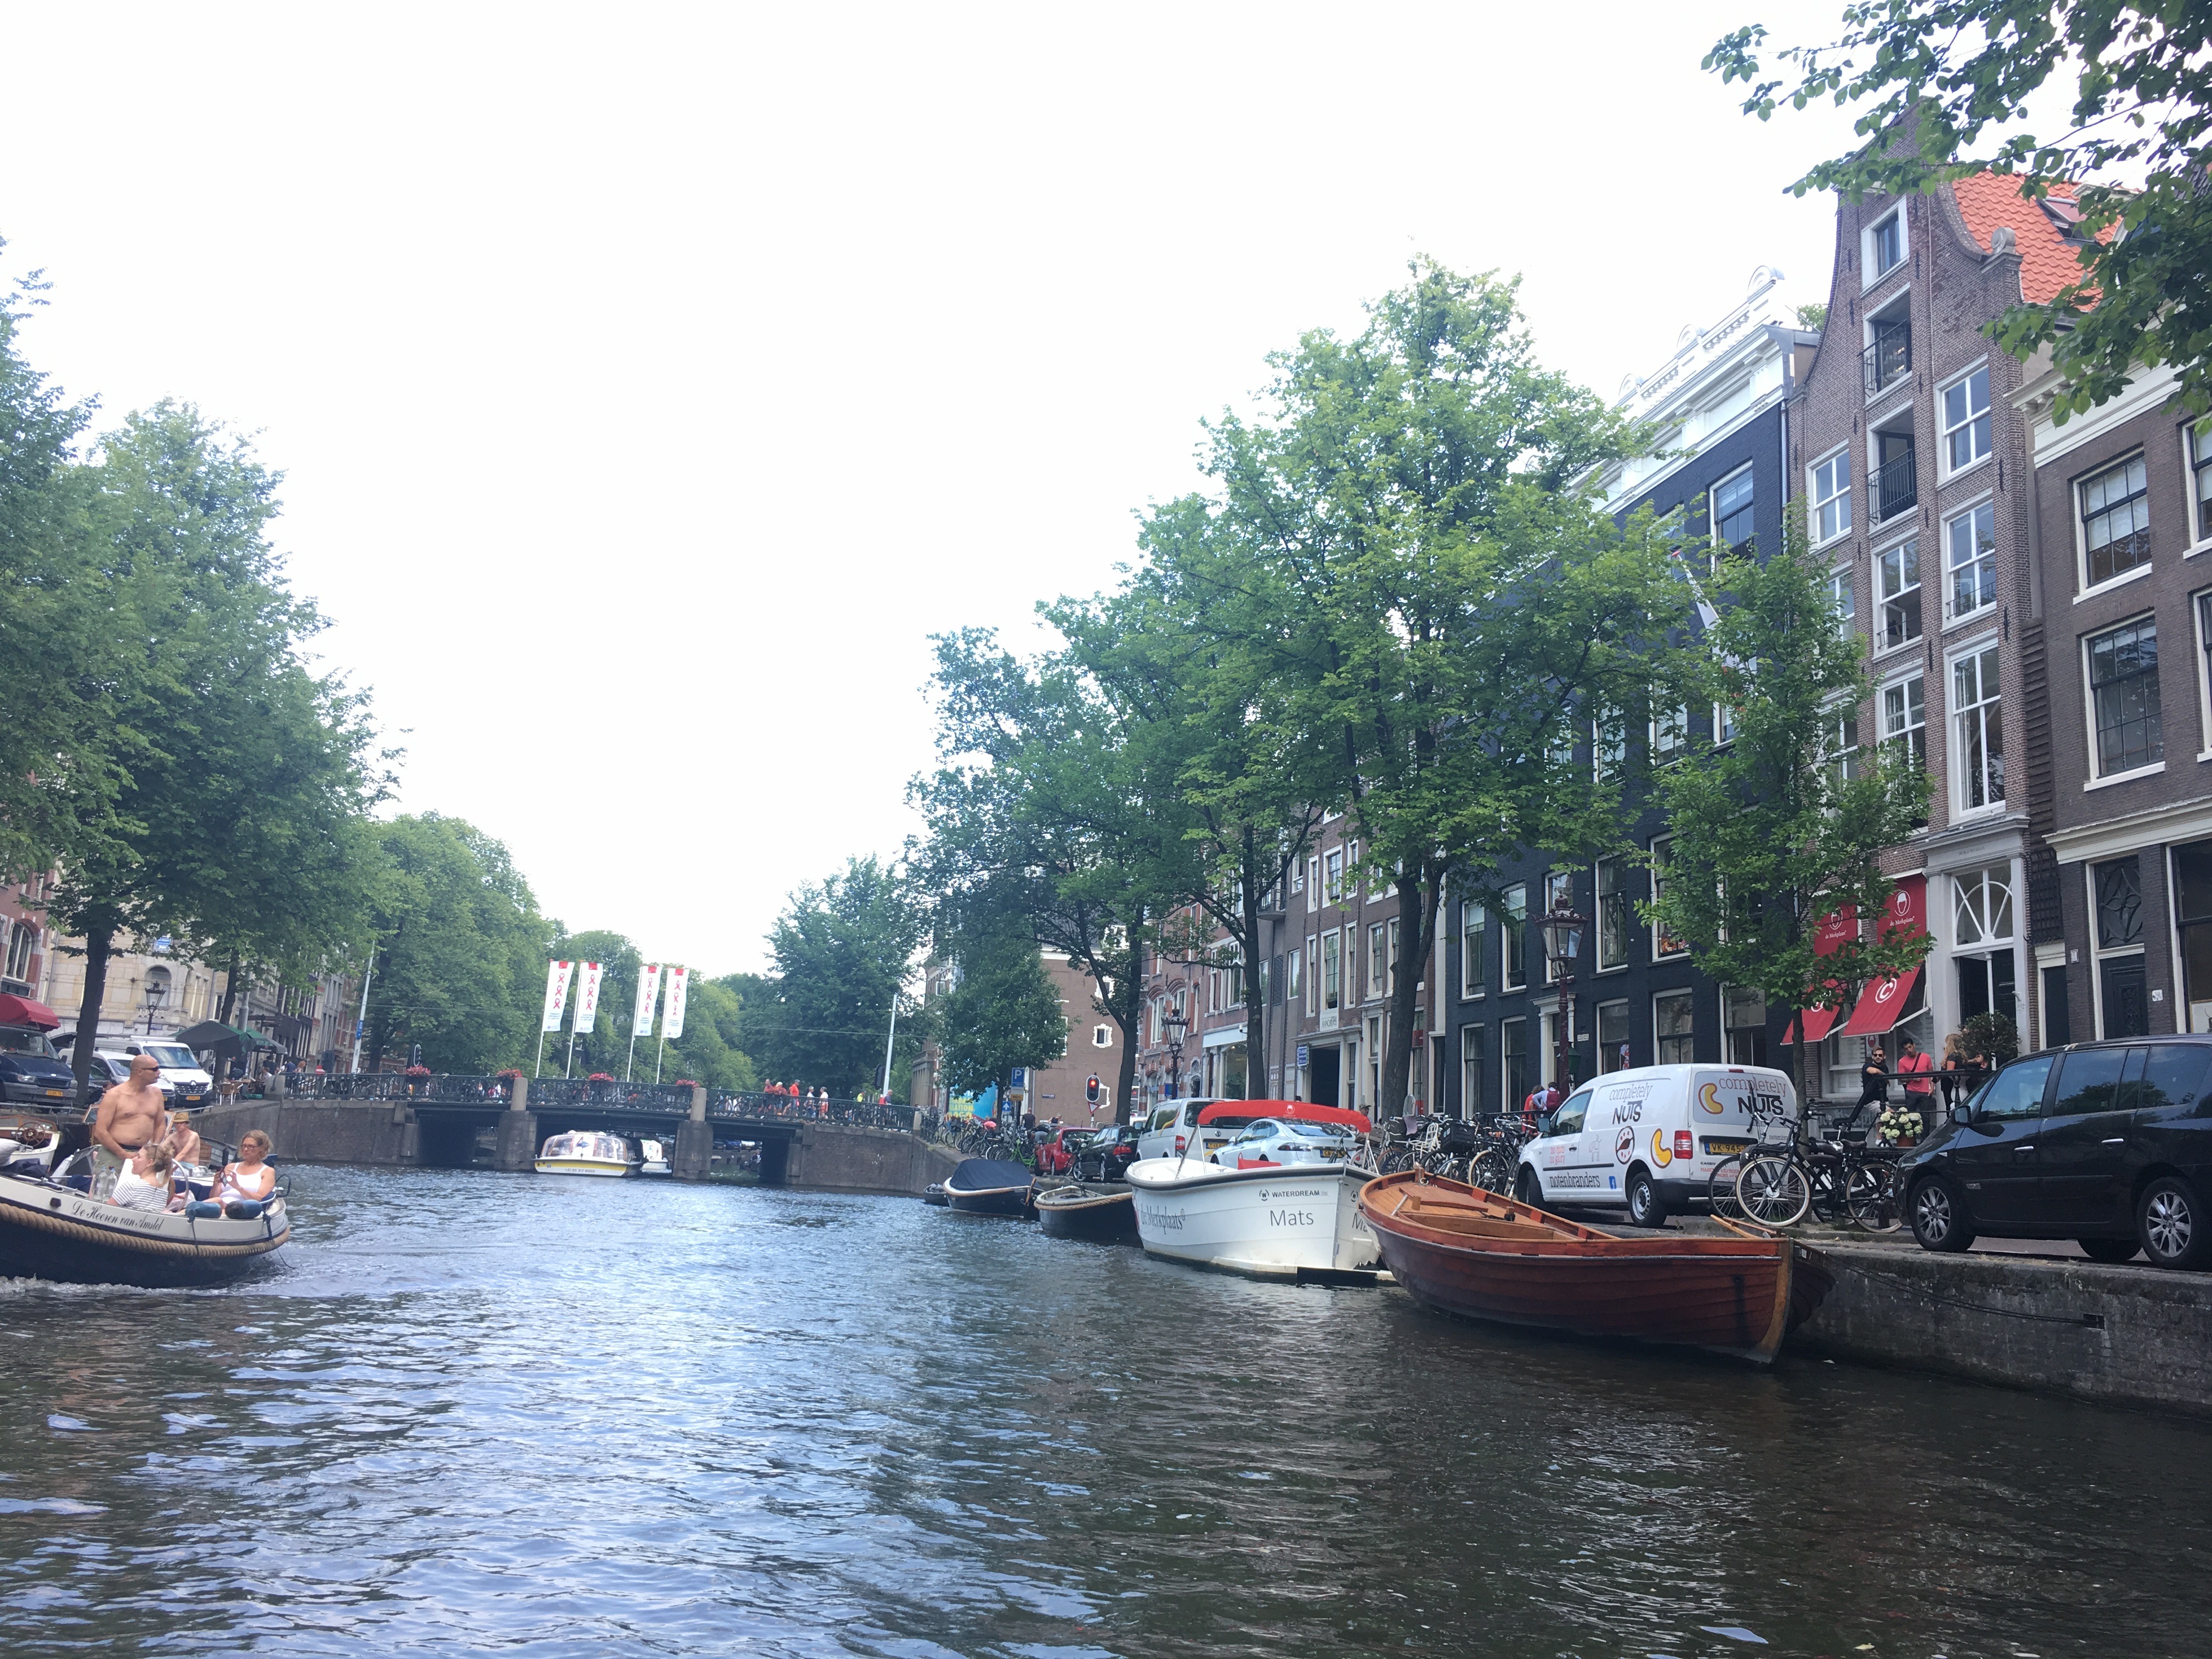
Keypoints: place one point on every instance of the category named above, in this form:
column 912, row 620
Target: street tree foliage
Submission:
column 1004, row 1012
column 1939, row 78
column 842, row 950
column 461, row 952
column 1785, row 824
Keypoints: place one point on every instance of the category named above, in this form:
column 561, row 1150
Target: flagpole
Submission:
column 632, row 1055
column 890, row 1039
column 660, row 1054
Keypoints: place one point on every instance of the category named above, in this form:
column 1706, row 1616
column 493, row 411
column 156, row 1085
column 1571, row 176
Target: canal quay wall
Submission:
column 2124, row 1335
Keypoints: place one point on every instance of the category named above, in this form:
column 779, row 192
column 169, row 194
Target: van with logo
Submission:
column 1646, row 1141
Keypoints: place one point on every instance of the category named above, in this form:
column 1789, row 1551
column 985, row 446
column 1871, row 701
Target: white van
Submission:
column 1171, row 1128
column 1646, row 1141
column 187, row 1082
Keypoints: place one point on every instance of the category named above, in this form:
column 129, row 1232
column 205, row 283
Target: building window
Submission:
column 1297, row 875
column 1724, row 724
column 1313, row 885
column 1844, row 742
column 21, row 941
column 1612, row 914
column 1293, row 977
column 2116, row 897
column 1332, row 971
column 1373, row 1061
column 1332, row 886
column 1743, row 1026
column 1473, row 978
column 1831, row 496
column 1474, row 1094
column 1513, row 1061
column 1313, row 976
column 1970, row 542
column 1558, row 894
column 1982, row 930
column 1609, row 745
column 1732, row 510
column 1897, row 590
column 1977, row 736
column 1888, row 245
column 1613, row 1036
column 2199, row 441
column 2116, row 520
column 1967, row 420
column 1513, row 932
column 1662, row 943
column 1904, row 719
column 1102, row 1036
column 1673, row 1015
column 2123, row 696
column 1670, row 735
column 1843, row 597
column 2192, row 921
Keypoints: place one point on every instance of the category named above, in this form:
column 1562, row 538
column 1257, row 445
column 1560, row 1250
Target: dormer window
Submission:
column 1888, row 244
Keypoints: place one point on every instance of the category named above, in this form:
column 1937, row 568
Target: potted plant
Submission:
column 418, row 1080
column 1900, row 1125
column 600, row 1083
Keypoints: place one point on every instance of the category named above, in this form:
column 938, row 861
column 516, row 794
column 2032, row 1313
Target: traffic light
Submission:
column 1091, row 1088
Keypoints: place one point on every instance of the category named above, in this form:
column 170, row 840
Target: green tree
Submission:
column 1943, row 75
column 1004, row 1012
column 710, row 1050
column 842, row 950
column 462, row 952
column 1786, row 824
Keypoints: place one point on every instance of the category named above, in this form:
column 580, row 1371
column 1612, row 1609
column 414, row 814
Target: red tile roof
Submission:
column 2048, row 262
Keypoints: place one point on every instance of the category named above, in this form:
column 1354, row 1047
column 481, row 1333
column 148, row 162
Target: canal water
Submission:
column 474, row 1414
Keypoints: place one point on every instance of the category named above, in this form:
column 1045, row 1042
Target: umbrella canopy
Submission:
column 229, row 1042
column 22, row 1010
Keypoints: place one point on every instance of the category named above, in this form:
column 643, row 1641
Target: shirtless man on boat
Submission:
column 128, row 1116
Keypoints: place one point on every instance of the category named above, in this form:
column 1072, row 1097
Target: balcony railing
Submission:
column 1896, row 486
column 1888, row 360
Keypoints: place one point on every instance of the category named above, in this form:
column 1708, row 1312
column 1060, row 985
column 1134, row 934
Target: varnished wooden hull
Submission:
column 1460, row 1250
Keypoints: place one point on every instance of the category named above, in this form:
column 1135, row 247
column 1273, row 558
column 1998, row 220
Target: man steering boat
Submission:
column 129, row 1114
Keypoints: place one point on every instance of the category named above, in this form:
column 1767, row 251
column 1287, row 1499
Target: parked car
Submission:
column 1107, row 1154
column 1055, row 1153
column 2102, row 1143
column 109, row 1068
column 31, row 1073
column 188, row 1082
column 1285, row 1140
column 1171, row 1129
column 1646, row 1141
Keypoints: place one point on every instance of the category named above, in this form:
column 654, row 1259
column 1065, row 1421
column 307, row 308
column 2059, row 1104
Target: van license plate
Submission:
column 53, row 1094
column 1725, row 1148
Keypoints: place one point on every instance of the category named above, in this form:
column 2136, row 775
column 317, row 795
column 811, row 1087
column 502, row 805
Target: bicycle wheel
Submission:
column 1720, row 1188
column 1870, row 1200
column 1493, row 1170
column 1773, row 1190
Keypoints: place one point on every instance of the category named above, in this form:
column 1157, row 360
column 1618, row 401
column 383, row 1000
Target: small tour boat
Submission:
column 1460, row 1250
column 53, row 1228
column 653, row 1158
column 1267, row 1220
column 587, row 1153
column 989, row 1186
column 934, row 1194
column 1101, row 1214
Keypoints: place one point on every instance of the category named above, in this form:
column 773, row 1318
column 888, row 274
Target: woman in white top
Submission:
column 144, row 1182
column 248, row 1178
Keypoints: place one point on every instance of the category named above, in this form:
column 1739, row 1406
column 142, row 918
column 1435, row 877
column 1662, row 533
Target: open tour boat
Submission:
column 1460, row 1250
column 1267, row 1219
column 587, row 1153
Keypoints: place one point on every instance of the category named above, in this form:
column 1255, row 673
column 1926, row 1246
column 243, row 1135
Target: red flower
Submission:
column 418, row 1071
column 687, row 1082
column 599, row 1077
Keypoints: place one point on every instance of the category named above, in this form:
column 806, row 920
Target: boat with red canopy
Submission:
column 1291, row 1214
column 1461, row 1250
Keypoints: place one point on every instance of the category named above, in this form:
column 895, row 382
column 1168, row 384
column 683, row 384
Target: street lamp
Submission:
column 154, row 994
column 1563, row 931
column 1174, row 1025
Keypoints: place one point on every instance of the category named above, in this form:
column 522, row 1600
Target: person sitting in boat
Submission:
column 127, row 1116
column 250, row 1179
column 182, row 1141
column 147, row 1181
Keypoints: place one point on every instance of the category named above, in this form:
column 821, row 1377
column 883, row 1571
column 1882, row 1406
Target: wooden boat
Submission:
column 989, row 1186
column 1100, row 1214
column 1461, row 1250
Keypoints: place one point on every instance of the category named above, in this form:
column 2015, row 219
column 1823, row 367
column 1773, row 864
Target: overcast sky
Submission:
column 651, row 381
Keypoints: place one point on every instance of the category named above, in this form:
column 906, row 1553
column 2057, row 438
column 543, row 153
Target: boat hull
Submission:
column 1004, row 1200
column 1458, row 1250
column 582, row 1166
column 1097, row 1215
column 989, row 1186
column 1300, row 1220
column 56, row 1233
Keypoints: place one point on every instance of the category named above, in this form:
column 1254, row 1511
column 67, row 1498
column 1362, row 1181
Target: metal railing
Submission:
column 1897, row 486
column 663, row 1100
column 1888, row 360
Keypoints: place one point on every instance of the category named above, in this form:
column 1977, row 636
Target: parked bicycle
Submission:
column 1834, row 1177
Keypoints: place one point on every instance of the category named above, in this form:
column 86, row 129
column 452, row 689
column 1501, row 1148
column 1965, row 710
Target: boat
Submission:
column 1099, row 1214
column 934, row 1194
column 53, row 1228
column 1295, row 1221
column 989, row 1186
column 653, row 1158
column 1458, row 1250
column 586, row 1152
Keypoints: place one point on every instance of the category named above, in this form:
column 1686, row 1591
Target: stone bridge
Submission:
column 436, row 1122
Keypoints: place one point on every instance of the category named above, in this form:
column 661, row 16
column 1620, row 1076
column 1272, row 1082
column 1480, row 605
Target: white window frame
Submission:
column 1987, row 556
column 1871, row 240
column 1313, row 976
column 1101, row 1036
column 1473, row 937
column 1724, row 725
column 1294, row 977
column 1660, row 941
column 1945, row 429
column 2097, row 778
column 1879, row 620
column 2201, row 630
column 1674, row 722
column 1816, row 503
column 1332, row 998
column 1712, row 505
column 1557, row 883
column 1883, row 733
column 1841, row 724
column 1617, row 870
column 1986, row 646
column 1332, row 876
column 1618, row 1005
column 1513, row 965
column 1472, row 1041
column 1378, row 972
column 2084, row 585
column 2198, row 507
column 1608, row 746
column 1843, row 596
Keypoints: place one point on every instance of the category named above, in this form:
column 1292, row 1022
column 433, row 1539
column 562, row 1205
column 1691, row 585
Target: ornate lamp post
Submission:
column 154, row 995
column 1175, row 1025
column 1563, row 930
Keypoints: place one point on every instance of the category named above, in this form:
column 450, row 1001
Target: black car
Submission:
column 1107, row 1155
column 31, row 1073
column 2109, row 1144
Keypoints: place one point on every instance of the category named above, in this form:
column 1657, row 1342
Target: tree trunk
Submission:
column 1255, row 1032
column 231, row 978
column 98, row 942
column 1416, row 939
column 1129, row 1015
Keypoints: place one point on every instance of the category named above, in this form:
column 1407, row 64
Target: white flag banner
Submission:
column 649, row 990
column 556, row 993
column 587, row 994
column 671, row 1012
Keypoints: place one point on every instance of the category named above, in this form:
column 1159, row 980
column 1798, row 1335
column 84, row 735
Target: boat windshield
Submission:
column 21, row 1040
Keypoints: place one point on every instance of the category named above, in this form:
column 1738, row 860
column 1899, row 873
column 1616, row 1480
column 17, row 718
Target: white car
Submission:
column 188, row 1081
column 1274, row 1140
column 109, row 1067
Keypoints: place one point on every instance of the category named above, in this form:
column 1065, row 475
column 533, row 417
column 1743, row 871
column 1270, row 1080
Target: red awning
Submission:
column 22, row 1010
column 1252, row 1110
column 1880, row 1004
column 1818, row 1021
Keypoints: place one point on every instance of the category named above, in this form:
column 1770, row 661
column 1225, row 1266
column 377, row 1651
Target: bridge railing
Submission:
column 580, row 1094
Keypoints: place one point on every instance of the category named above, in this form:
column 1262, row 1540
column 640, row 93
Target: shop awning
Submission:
column 1881, row 1005
column 1818, row 1024
column 22, row 1010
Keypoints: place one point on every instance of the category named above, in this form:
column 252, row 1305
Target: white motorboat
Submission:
column 1268, row 1220
column 655, row 1157
column 587, row 1153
